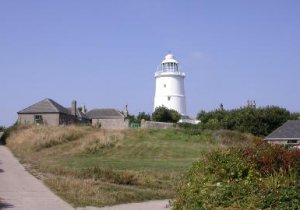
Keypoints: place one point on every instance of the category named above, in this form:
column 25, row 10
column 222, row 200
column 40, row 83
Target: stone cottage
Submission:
column 49, row 112
column 108, row 119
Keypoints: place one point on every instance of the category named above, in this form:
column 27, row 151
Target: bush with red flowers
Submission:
column 260, row 176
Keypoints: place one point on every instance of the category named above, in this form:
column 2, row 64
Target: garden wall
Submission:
column 160, row 125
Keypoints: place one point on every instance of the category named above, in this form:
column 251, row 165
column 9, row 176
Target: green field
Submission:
column 94, row 167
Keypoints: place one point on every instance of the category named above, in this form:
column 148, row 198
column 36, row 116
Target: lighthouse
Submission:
column 169, row 86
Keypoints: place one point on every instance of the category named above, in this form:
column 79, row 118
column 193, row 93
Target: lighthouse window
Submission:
column 165, row 85
column 169, row 98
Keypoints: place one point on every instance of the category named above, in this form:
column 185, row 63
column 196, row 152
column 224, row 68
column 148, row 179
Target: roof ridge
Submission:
column 30, row 106
column 46, row 105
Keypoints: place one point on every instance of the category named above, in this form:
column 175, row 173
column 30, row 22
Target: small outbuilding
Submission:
column 108, row 119
column 288, row 133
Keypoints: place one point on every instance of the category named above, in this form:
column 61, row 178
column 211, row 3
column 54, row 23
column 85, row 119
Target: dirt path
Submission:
column 21, row 191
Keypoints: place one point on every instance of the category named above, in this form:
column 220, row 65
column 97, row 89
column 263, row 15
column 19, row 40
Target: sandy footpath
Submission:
column 21, row 191
column 149, row 205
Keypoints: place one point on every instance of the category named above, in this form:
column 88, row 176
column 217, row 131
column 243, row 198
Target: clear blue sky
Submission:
column 105, row 53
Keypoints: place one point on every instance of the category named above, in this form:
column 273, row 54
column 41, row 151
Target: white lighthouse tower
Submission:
column 169, row 89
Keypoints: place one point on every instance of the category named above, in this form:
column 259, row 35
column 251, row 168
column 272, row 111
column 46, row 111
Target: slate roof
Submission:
column 104, row 114
column 45, row 106
column 289, row 130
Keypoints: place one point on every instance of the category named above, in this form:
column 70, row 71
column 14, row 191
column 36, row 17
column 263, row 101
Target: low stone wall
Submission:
column 110, row 123
column 160, row 125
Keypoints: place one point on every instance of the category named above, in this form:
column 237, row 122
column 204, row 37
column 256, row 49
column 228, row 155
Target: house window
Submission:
column 169, row 98
column 292, row 141
column 38, row 119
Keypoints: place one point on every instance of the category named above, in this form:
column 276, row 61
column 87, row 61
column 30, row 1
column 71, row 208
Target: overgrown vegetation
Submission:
column 258, row 121
column 163, row 114
column 137, row 119
column 259, row 176
column 88, row 166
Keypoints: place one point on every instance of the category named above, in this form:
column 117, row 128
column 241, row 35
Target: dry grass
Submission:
column 93, row 142
column 35, row 138
column 225, row 138
column 39, row 137
column 84, row 192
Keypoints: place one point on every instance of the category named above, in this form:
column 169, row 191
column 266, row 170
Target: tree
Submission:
column 143, row 116
column 258, row 121
column 131, row 119
column 163, row 114
column 138, row 118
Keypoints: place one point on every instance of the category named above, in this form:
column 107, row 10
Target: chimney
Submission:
column 74, row 108
column 125, row 112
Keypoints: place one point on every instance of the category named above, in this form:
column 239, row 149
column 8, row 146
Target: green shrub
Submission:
column 190, row 129
column 282, row 192
column 163, row 114
column 259, row 176
column 258, row 121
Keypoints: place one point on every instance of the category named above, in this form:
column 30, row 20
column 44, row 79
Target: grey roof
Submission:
column 289, row 130
column 45, row 106
column 104, row 114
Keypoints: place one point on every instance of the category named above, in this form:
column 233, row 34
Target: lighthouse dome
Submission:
column 169, row 58
column 169, row 64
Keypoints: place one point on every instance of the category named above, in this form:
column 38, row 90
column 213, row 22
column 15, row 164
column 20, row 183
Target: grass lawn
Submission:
column 95, row 167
